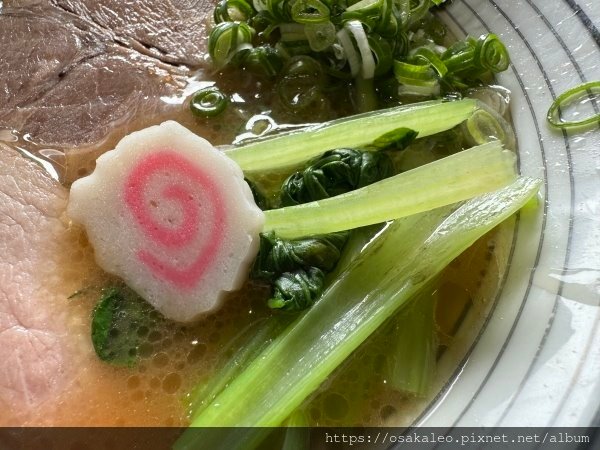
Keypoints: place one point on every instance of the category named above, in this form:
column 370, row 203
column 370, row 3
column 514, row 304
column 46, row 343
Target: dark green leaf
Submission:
column 298, row 290
column 277, row 255
column 335, row 172
column 117, row 323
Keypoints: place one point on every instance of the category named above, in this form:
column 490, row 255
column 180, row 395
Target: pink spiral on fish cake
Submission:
column 199, row 184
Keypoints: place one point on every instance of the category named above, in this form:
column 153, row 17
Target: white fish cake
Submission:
column 172, row 216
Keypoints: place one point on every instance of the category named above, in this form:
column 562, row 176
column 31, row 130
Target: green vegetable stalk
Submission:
column 250, row 344
column 295, row 147
column 403, row 258
column 443, row 182
column 297, row 435
column 413, row 347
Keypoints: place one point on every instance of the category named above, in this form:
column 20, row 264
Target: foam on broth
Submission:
column 175, row 358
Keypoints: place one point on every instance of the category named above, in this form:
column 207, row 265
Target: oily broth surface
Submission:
column 175, row 358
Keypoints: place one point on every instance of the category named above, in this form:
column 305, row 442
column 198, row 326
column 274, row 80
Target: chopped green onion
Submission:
column 488, row 53
column 260, row 5
column 427, row 56
column 233, row 10
column 486, row 125
column 320, row 35
column 388, row 23
column 415, row 74
column 367, row 61
column 568, row 97
column 401, row 44
column 459, row 56
column 491, row 54
column 300, row 84
column 430, row 90
column 294, row 48
column 418, row 12
column 368, row 12
column 280, row 10
column 366, row 8
column 442, row 182
column 208, row 102
column 292, row 32
column 350, row 52
column 309, row 11
column 226, row 39
column 263, row 60
column 382, row 52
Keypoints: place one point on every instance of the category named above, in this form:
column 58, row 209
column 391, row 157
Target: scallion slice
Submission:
column 491, row 54
column 208, row 102
column 568, row 97
column 382, row 53
column 291, row 32
column 309, row 11
column 232, row 10
column 352, row 56
column 367, row 61
column 487, row 53
column 226, row 39
column 320, row 35
column 427, row 56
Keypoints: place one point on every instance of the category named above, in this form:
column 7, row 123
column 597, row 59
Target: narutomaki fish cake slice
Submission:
column 172, row 216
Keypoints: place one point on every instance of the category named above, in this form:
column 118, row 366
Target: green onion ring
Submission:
column 460, row 55
column 414, row 74
column 491, row 54
column 208, row 102
column 567, row 97
column 262, row 60
column 309, row 11
column 243, row 9
column 226, row 39
column 382, row 52
column 429, row 57
column 418, row 12
column 300, row 83
column 320, row 35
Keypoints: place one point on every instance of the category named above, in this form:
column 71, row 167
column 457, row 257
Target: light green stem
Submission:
column 401, row 260
column 449, row 180
column 288, row 149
